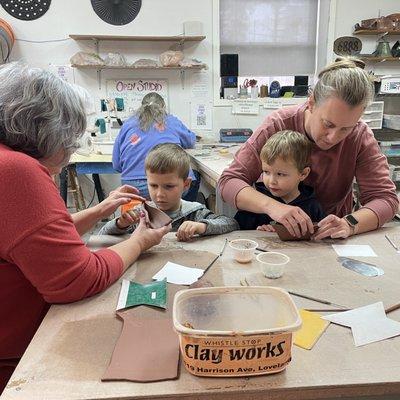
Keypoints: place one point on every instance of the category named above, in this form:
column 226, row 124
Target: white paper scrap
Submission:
column 351, row 250
column 368, row 324
column 123, row 294
column 178, row 274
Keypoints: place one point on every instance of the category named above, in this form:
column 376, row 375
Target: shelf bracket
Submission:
column 96, row 49
column 99, row 78
column 96, row 45
column 182, row 75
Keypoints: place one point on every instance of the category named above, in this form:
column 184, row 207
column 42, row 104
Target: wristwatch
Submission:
column 352, row 222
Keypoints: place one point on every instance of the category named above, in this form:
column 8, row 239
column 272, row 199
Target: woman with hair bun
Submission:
column 344, row 149
column 151, row 125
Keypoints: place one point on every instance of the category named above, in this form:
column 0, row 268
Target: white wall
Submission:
column 348, row 13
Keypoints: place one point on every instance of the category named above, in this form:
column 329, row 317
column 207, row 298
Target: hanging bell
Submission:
column 383, row 49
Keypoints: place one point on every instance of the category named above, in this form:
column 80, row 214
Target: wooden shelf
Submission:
column 102, row 67
column 378, row 59
column 375, row 32
column 181, row 39
column 177, row 38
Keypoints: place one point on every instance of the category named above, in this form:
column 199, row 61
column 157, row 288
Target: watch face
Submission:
column 351, row 220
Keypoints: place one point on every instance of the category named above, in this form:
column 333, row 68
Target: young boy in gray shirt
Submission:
column 167, row 169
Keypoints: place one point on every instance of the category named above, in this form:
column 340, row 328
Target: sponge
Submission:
column 311, row 330
column 128, row 206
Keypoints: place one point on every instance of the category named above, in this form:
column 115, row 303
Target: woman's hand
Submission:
column 333, row 227
column 116, row 198
column 190, row 228
column 266, row 228
column 147, row 237
column 295, row 220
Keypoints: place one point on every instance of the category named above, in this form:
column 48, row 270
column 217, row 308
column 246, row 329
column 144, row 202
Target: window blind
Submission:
column 272, row 37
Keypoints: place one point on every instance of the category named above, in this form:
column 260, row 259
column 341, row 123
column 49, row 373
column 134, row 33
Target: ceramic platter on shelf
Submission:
column 347, row 46
column 26, row 10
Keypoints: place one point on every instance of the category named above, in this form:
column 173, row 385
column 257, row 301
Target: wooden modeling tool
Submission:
column 329, row 303
column 391, row 242
column 392, row 308
column 216, row 258
column 262, row 250
column 203, row 282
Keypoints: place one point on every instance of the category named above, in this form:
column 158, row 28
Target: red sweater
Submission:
column 42, row 257
column 332, row 171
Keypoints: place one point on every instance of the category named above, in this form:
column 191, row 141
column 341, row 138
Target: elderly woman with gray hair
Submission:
column 151, row 125
column 42, row 257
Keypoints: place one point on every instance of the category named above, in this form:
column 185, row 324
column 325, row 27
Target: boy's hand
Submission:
column 190, row 228
column 295, row 220
column 266, row 228
column 126, row 220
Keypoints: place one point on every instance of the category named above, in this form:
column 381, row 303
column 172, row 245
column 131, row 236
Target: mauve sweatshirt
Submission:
column 332, row 171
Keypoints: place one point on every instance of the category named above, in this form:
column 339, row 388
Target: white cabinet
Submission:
column 373, row 115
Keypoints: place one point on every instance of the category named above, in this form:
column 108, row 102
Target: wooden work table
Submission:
column 90, row 158
column 73, row 346
column 211, row 159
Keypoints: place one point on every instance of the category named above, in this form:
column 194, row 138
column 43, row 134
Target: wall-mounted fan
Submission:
column 26, row 10
column 117, row 12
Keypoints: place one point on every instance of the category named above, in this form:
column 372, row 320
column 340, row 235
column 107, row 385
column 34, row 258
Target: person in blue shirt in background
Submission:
column 151, row 125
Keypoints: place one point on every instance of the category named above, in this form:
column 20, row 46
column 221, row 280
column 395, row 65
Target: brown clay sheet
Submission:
column 146, row 351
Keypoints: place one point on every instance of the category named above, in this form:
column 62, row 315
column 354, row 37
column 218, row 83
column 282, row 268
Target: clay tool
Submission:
column 392, row 243
column 216, row 258
column 387, row 310
column 260, row 249
column 326, row 309
column 392, row 308
column 329, row 303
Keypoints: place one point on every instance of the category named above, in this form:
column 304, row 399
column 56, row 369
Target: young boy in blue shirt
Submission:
column 285, row 161
column 167, row 171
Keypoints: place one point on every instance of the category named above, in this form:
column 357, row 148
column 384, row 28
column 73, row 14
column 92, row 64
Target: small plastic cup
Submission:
column 243, row 249
column 273, row 264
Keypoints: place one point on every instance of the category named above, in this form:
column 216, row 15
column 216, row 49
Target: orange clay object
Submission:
column 128, row 206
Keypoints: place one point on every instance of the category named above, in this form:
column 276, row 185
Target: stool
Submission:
column 69, row 183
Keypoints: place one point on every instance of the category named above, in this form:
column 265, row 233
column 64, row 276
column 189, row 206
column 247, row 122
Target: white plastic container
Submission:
column 272, row 264
column 391, row 121
column 235, row 331
column 243, row 249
